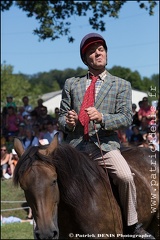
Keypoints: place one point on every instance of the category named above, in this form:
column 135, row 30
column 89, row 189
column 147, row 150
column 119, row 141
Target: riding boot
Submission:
column 139, row 232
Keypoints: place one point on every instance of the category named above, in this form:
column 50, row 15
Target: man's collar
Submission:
column 101, row 75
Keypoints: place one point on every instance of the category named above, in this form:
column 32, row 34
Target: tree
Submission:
column 120, row 72
column 53, row 16
column 16, row 85
column 133, row 77
column 155, row 81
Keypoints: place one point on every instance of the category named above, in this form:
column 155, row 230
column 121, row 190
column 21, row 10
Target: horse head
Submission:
column 33, row 169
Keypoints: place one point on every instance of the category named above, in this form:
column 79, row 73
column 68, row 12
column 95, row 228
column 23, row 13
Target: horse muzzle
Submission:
column 47, row 233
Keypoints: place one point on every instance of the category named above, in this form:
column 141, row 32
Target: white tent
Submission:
column 137, row 96
column 52, row 100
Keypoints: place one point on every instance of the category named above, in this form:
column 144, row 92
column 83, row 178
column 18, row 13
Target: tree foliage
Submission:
column 54, row 16
column 133, row 77
column 18, row 85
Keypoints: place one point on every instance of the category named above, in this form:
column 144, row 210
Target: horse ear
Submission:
column 18, row 147
column 52, row 146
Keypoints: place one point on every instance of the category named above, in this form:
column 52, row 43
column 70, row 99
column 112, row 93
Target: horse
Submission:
column 70, row 195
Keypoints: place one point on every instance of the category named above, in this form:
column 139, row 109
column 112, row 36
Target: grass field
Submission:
column 14, row 230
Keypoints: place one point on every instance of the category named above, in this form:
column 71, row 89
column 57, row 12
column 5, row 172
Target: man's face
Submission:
column 50, row 127
column 96, row 56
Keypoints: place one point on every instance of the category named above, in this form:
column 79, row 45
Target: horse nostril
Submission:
column 37, row 236
column 55, row 233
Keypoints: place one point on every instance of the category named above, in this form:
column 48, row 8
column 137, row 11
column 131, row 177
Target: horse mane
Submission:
column 26, row 161
column 77, row 174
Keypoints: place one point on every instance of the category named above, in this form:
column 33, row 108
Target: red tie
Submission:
column 88, row 101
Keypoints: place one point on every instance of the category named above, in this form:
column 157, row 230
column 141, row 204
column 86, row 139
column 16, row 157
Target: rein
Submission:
column 112, row 204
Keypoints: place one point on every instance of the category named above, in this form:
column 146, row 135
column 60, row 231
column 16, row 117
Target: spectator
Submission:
column 3, row 121
column 136, row 120
column 52, row 130
column 20, row 118
column 10, row 102
column 61, row 133
column 29, row 216
column 29, row 139
column 140, row 104
column 21, row 131
column 144, row 126
column 12, row 121
column 20, row 111
column 12, row 219
column 27, row 108
column 43, row 128
column 37, row 109
column 13, row 161
column 44, row 116
column 27, row 119
column 3, row 139
column 146, row 111
column 56, row 113
column 10, row 142
column 5, row 156
column 37, row 132
column 136, row 138
column 30, row 119
column 34, row 117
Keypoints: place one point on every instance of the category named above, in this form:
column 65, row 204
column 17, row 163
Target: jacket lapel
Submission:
column 108, row 81
column 81, row 88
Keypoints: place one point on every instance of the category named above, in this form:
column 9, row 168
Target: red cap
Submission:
column 84, row 49
column 88, row 40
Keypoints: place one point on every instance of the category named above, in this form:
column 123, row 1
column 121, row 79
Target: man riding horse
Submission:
column 92, row 108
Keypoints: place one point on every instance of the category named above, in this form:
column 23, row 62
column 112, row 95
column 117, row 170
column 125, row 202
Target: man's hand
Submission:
column 93, row 114
column 71, row 118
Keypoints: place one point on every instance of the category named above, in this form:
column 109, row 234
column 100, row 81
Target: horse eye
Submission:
column 54, row 182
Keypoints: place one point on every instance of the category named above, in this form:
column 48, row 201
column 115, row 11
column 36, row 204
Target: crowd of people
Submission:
column 33, row 126
column 144, row 131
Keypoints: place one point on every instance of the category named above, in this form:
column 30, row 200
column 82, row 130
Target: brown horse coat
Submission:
column 85, row 207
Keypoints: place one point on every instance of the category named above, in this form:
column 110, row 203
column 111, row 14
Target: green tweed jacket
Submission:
column 113, row 101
